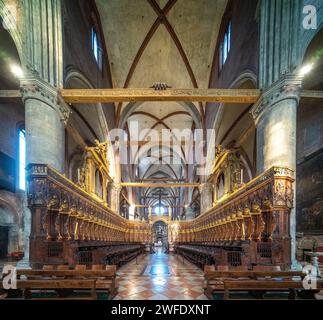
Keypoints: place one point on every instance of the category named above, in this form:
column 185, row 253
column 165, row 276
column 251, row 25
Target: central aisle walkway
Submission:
column 160, row 276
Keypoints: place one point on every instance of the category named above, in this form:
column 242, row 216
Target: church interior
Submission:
column 161, row 149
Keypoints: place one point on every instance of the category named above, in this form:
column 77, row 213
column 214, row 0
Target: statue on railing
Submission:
column 102, row 150
column 227, row 173
column 93, row 175
column 219, row 153
column 82, row 177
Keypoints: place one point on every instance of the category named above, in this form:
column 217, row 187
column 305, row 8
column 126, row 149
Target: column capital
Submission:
column 33, row 87
column 287, row 87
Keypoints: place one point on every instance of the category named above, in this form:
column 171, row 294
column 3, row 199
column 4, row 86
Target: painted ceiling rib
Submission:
column 142, row 48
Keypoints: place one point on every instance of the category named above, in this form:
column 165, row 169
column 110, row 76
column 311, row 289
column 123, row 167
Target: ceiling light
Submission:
column 306, row 69
column 16, row 70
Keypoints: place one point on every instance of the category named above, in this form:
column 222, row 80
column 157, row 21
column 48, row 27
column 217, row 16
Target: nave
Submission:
column 160, row 276
column 196, row 125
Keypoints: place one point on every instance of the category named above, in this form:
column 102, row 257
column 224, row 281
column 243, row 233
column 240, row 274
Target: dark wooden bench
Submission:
column 105, row 279
column 214, row 280
column 64, row 278
column 267, row 285
column 51, row 284
column 121, row 254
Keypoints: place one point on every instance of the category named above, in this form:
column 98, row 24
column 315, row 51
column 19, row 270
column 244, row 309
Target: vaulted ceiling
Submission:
column 169, row 41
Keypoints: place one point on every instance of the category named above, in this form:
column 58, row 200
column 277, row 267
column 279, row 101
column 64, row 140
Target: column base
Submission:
column 23, row 264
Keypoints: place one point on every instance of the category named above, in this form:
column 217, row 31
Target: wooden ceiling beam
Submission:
column 9, row 96
column 187, row 95
column 170, row 144
column 147, row 206
column 158, row 185
column 159, row 179
column 312, row 96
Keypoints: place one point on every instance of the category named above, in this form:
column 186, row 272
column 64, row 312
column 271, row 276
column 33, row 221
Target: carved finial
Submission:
column 218, row 153
column 101, row 147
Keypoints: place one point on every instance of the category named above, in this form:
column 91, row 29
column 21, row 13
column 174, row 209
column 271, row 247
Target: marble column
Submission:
column 24, row 263
column 206, row 190
column 45, row 111
column 189, row 213
column 280, row 27
column 44, row 39
column 275, row 118
column 45, row 116
column 115, row 199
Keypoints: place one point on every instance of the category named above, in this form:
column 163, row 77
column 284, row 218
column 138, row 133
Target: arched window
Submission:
column 21, row 159
column 220, row 186
column 225, row 45
column 96, row 48
column 98, row 184
column 160, row 210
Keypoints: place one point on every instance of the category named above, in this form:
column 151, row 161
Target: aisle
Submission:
column 160, row 277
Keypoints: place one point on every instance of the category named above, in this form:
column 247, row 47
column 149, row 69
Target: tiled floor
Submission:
column 160, row 276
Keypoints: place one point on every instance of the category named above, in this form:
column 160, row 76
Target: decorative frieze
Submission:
column 32, row 87
column 287, row 87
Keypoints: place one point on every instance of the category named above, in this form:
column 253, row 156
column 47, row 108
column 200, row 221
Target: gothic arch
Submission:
column 75, row 78
column 15, row 33
column 188, row 106
column 309, row 149
column 310, row 35
column 10, row 227
column 249, row 79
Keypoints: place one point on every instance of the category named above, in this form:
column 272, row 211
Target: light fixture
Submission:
column 16, row 70
column 306, row 69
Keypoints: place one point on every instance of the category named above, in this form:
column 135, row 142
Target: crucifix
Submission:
column 159, row 194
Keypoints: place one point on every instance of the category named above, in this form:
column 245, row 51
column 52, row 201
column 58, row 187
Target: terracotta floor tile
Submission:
column 192, row 294
column 159, row 277
column 171, row 294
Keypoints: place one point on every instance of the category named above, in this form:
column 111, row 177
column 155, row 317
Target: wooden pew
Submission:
column 214, row 280
column 52, row 284
column 121, row 254
column 267, row 285
column 105, row 280
column 253, row 274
